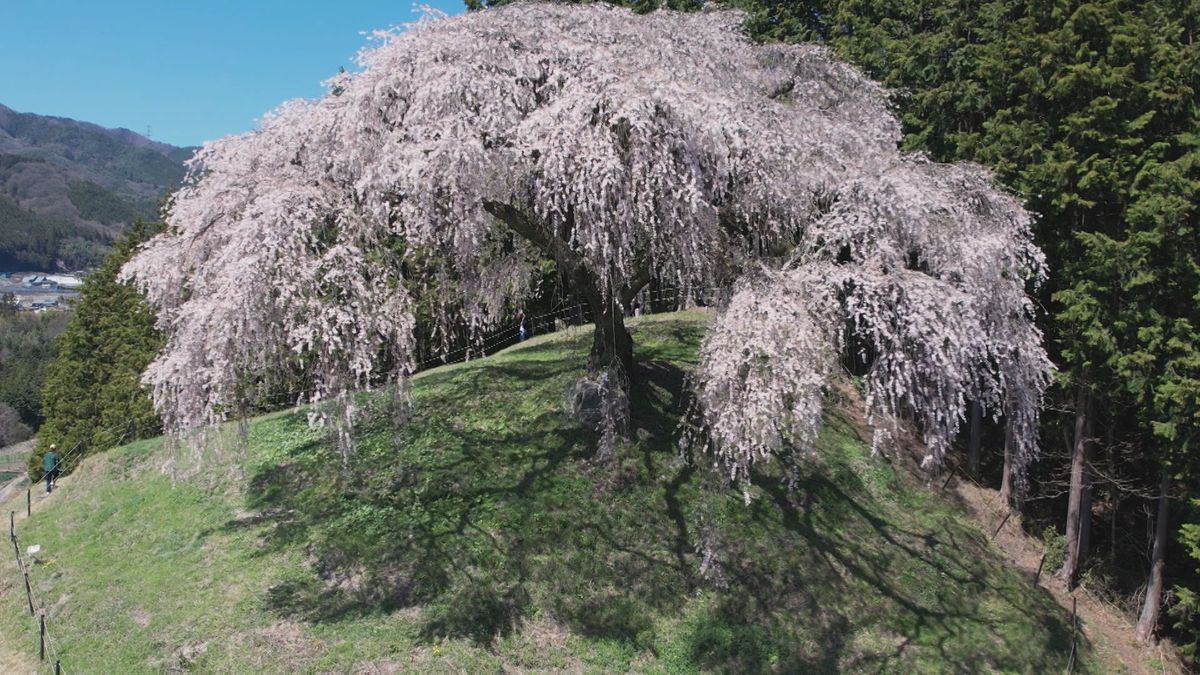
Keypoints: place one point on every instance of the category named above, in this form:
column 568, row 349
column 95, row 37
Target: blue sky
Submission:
column 191, row 70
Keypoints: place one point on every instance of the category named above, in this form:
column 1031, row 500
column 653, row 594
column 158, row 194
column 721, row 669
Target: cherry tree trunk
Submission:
column 976, row 437
column 1075, row 500
column 612, row 345
column 1148, row 620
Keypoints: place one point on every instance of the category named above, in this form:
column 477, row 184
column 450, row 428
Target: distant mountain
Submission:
column 68, row 187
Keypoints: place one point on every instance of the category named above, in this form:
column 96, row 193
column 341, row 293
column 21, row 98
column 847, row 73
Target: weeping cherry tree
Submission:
column 629, row 149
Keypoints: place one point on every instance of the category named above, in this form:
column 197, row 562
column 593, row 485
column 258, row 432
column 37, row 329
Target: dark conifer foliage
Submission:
column 94, row 398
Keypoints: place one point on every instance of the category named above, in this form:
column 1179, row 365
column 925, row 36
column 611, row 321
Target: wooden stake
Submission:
column 1041, row 564
column 952, row 472
column 1001, row 527
column 29, row 501
column 28, row 590
column 42, row 637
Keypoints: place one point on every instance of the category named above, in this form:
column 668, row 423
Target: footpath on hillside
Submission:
column 12, row 494
column 1110, row 634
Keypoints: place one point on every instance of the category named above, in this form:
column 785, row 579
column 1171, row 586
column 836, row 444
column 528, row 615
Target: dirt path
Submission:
column 16, row 662
column 1109, row 633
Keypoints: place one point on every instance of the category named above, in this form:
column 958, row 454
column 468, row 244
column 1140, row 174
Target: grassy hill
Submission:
column 483, row 537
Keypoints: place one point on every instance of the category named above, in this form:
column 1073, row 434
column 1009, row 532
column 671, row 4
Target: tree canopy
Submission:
column 628, row 148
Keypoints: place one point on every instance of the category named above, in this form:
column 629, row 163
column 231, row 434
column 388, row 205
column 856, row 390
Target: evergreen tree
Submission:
column 93, row 396
column 1186, row 610
column 27, row 346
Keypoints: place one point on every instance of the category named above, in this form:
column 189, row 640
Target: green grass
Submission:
column 483, row 536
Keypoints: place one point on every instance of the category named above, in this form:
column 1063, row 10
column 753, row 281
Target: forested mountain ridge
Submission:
column 67, row 187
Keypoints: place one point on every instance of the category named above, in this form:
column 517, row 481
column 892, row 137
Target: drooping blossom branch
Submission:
column 628, row 148
column 926, row 264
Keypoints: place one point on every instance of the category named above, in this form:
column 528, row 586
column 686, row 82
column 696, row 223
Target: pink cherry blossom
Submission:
column 627, row 147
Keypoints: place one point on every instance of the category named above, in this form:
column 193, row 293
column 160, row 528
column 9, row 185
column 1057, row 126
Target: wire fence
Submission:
column 49, row 651
column 573, row 317
column 958, row 471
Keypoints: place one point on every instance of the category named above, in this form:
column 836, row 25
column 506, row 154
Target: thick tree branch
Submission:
column 560, row 250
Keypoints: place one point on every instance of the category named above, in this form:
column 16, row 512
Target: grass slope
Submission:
column 482, row 537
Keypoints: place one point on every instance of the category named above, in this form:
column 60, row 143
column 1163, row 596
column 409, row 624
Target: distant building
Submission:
column 53, row 282
column 66, row 282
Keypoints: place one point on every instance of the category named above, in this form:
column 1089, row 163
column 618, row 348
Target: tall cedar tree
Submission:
column 93, row 398
column 1186, row 612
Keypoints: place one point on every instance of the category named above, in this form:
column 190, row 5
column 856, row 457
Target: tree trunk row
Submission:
column 1079, row 507
column 1148, row 620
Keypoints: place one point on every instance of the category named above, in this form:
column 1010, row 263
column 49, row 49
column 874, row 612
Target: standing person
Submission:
column 521, row 327
column 50, row 466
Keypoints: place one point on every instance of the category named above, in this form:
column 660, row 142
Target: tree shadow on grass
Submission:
column 482, row 511
column 869, row 591
column 477, row 518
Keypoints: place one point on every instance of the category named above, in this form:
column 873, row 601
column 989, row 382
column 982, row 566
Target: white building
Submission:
column 66, row 282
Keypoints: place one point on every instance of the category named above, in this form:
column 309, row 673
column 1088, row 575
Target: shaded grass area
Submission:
column 483, row 535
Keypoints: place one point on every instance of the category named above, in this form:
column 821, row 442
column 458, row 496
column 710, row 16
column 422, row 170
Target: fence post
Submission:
column 28, row 588
column 42, row 637
column 12, row 525
column 29, row 501
column 948, row 478
column 1001, row 526
column 1041, row 564
column 57, row 667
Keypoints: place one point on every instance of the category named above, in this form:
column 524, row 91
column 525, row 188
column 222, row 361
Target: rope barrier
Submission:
column 580, row 312
column 38, row 608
